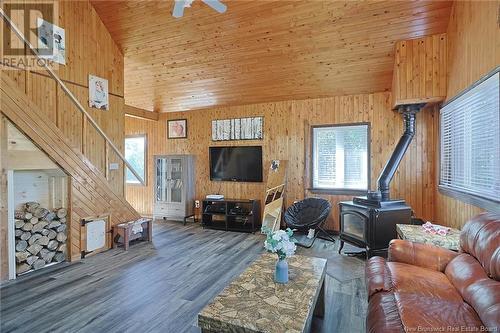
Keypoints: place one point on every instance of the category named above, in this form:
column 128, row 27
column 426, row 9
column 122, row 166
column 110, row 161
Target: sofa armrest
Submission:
column 418, row 254
column 377, row 276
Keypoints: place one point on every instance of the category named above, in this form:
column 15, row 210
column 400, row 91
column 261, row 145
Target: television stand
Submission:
column 231, row 215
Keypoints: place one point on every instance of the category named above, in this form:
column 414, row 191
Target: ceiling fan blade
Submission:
column 216, row 4
column 178, row 9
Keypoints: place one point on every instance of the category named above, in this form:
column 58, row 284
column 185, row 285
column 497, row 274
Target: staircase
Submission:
column 91, row 195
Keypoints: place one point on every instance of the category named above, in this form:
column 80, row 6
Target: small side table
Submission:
column 416, row 233
column 125, row 231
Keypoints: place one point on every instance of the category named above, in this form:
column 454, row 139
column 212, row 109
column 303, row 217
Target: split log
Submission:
column 48, row 256
column 31, row 260
column 61, row 228
column 26, row 235
column 27, row 226
column 44, row 240
column 34, row 220
column 34, row 238
column 20, row 269
column 34, row 248
column 21, row 245
column 31, row 206
column 62, row 248
column 61, row 237
column 52, row 245
column 41, row 212
column 18, row 232
column 61, row 213
column 39, row 263
column 62, row 220
column 39, row 227
column 52, row 234
column 19, row 224
column 50, row 216
column 21, row 256
column 54, row 224
column 22, row 215
column 59, row 257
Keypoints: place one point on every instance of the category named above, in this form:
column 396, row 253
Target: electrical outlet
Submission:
column 114, row 166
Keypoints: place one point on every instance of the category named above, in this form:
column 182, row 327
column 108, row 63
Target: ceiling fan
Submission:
column 181, row 4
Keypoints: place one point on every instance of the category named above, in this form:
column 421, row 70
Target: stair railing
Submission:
column 71, row 96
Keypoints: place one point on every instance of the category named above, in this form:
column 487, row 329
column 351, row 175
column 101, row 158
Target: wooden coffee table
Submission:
column 253, row 302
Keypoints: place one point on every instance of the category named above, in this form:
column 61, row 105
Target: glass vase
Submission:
column 281, row 272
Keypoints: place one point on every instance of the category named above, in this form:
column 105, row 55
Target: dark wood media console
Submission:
column 231, row 215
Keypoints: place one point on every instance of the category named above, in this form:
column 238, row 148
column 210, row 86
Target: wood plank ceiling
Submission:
column 261, row 51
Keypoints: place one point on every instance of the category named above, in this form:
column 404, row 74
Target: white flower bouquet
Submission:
column 280, row 242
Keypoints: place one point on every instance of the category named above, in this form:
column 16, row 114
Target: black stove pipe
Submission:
column 392, row 164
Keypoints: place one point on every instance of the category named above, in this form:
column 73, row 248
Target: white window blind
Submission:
column 470, row 142
column 340, row 157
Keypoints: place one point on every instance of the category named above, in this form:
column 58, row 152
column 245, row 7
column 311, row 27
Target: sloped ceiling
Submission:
column 261, row 51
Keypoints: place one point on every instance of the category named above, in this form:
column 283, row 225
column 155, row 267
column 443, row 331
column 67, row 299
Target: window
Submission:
column 340, row 157
column 470, row 144
column 135, row 154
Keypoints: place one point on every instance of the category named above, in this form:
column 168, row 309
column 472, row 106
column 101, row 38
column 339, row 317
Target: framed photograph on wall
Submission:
column 51, row 41
column 98, row 93
column 237, row 129
column 177, row 129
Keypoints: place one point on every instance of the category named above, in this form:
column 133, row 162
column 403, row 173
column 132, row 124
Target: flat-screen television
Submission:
column 237, row 164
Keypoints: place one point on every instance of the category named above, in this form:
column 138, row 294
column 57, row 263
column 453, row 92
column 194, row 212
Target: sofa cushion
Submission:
column 425, row 298
column 476, row 288
column 421, row 281
column 421, row 313
column 480, row 238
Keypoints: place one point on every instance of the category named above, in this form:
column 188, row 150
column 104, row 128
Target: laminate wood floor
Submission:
column 161, row 286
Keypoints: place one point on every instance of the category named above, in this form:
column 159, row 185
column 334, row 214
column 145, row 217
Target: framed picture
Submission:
column 237, row 129
column 51, row 41
column 98, row 93
column 177, row 129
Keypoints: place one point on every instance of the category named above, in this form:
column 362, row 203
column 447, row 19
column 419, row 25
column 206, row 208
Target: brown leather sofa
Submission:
column 425, row 288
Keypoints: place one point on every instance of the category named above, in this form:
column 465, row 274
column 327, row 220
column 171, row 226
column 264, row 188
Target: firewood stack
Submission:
column 40, row 237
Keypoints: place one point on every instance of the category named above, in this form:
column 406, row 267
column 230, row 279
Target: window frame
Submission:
column 469, row 198
column 139, row 183
column 340, row 191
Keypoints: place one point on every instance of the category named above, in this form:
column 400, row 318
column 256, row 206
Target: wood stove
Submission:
column 372, row 226
column 370, row 222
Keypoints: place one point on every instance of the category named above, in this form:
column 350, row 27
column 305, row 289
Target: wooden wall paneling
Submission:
column 286, row 136
column 474, row 50
column 74, row 18
column 110, row 64
column 94, row 143
column 420, row 70
column 17, row 75
column 70, row 120
column 89, row 47
column 114, row 126
column 42, row 91
column 4, row 256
